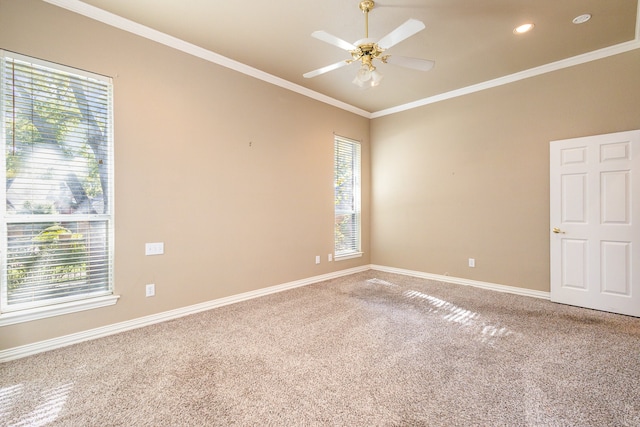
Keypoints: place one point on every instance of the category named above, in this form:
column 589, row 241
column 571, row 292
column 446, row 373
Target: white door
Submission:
column 595, row 222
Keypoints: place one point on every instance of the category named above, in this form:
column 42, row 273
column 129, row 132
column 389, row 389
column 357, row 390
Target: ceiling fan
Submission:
column 366, row 50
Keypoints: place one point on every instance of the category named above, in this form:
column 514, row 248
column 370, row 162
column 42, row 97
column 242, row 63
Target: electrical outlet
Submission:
column 154, row 248
column 330, row 257
column 150, row 290
column 472, row 262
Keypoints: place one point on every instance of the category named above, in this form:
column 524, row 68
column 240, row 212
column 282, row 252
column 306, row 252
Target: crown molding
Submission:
column 547, row 68
column 532, row 72
column 124, row 24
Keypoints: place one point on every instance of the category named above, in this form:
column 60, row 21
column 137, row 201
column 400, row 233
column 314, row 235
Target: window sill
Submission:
column 348, row 256
column 21, row 316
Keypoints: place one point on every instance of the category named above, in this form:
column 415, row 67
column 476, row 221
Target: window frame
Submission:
column 355, row 251
column 92, row 298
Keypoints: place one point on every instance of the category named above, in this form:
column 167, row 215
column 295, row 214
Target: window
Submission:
column 347, row 198
column 57, row 219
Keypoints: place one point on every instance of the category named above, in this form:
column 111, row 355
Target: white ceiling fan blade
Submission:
column 413, row 63
column 326, row 69
column 328, row 38
column 404, row 31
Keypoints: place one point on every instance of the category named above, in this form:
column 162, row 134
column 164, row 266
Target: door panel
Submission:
column 595, row 222
column 574, row 198
column 616, row 268
column 615, row 199
column 574, row 263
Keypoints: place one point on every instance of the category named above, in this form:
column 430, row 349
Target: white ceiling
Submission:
column 471, row 41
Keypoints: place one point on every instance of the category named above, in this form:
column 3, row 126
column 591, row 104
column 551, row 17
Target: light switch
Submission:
column 154, row 248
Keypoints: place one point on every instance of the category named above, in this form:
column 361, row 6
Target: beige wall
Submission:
column 469, row 177
column 233, row 217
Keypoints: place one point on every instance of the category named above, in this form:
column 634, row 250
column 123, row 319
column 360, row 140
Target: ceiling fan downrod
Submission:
column 366, row 50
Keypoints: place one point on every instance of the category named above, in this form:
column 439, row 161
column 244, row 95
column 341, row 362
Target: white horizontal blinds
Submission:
column 56, row 261
column 347, row 196
column 57, row 216
column 56, row 149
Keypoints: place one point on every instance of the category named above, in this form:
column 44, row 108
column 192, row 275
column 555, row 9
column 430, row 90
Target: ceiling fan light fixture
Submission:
column 364, row 73
column 367, row 77
column 376, row 78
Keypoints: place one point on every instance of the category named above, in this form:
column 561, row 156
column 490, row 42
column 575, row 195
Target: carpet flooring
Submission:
column 370, row 349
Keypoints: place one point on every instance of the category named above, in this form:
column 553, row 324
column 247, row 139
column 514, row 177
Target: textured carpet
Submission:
column 368, row 349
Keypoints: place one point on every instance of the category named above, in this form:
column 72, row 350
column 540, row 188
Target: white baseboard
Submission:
column 466, row 282
column 54, row 343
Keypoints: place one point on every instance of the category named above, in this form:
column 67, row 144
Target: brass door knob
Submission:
column 557, row 230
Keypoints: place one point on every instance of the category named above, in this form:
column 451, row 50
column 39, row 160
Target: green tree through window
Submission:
column 57, row 223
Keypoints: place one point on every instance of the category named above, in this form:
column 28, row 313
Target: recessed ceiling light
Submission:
column 523, row 28
column 582, row 18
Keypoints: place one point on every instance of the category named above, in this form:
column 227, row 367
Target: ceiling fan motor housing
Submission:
column 366, row 52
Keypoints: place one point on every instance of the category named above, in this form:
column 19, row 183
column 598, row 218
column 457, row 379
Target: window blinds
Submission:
column 347, row 196
column 57, row 218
